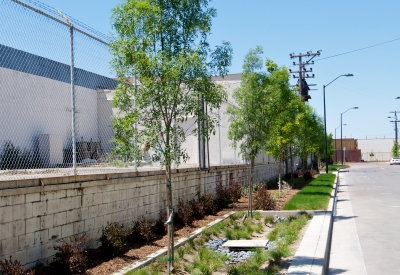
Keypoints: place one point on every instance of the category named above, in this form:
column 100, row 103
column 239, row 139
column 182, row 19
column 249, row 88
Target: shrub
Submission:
column 71, row 254
column 198, row 208
column 263, row 199
column 235, row 191
column 223, row 196
column 185, row 213
column 309, row 174
column 160, row 227
column 13, row 268
column 210, row 206
column 113, row 238
column 144, row 229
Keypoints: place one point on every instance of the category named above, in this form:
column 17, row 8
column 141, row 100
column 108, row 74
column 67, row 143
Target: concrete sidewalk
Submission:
column 346, row 256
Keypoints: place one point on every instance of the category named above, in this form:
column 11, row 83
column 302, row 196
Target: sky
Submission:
column 284, row 27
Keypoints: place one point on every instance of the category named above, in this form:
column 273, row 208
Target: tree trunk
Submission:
column 291, row 165
column 170, row 217
column 250, row 212
column 280, row 181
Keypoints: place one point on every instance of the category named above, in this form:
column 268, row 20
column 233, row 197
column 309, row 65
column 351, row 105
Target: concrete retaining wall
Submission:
column 35, row 213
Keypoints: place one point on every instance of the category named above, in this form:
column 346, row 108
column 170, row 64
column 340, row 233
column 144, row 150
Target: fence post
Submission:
column 71, row 31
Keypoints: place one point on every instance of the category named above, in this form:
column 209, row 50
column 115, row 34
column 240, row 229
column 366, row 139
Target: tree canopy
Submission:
column 164, row 44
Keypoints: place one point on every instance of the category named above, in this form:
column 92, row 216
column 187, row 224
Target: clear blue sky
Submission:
column 283, row 27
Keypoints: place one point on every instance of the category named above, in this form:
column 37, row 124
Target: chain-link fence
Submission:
column 56, row 87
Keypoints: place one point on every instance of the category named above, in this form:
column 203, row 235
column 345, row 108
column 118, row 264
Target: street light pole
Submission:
column 335, row 140
column 325, row 137
column 341, row 139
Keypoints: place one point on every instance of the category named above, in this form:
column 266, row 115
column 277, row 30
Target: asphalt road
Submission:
column 368, row 209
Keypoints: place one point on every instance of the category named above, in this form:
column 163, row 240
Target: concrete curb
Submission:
column 312, row 256
column 152, row 257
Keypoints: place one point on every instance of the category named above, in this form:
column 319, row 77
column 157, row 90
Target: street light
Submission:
column 341, row 139
column 326, row 144
column 335, row 138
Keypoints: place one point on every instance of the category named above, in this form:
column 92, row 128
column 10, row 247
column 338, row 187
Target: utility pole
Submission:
column 302, row 72
column 395, row 125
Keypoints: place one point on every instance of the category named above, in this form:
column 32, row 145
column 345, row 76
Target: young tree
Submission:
column 311, row 133
column 248, row 125
column 395, row 150
column 164, row 44
column 284, row 107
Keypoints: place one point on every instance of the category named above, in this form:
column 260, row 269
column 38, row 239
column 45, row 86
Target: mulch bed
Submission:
column 100, row 264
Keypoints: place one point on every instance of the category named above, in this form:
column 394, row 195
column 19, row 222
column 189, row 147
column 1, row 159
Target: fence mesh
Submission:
column 38, row 98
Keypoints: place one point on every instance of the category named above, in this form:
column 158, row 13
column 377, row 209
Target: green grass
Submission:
column 314, row 196
column 206, row 261
column 334, row 167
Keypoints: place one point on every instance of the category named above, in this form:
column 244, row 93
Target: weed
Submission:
column 13, row 268
column 71, row 254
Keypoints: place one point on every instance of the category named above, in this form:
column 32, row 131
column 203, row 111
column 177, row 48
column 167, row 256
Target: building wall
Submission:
column 35, row 99
column 35, row 213
column 379, row 149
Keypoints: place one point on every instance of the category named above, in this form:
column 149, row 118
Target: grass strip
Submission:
column 335, row 167
column 314, row 196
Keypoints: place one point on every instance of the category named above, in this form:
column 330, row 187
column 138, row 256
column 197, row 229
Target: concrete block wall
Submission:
column 35, row 213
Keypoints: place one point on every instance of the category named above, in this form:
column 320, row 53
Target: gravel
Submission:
column 239, row 256
column 234, row 256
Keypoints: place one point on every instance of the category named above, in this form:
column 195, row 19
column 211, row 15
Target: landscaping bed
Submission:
column 100, row 262
column 206, row 255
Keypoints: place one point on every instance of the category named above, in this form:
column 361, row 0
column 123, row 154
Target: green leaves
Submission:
column 164, row 44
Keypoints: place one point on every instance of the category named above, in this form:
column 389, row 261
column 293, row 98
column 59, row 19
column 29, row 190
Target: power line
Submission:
column 386, row 42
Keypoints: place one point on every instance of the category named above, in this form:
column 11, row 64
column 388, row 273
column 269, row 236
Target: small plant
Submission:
column 286, row 186
column 113, row 238
column 269, row 220
column 144, row 229
column 71, row 254
column 210, row 207
column 257, row 216
column 185, row 212
column 13, row 268
column 263, row 199
column 180, row 251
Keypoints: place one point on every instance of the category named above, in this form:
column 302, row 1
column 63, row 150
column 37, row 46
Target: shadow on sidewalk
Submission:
column 333, row 271
column 340, row 218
